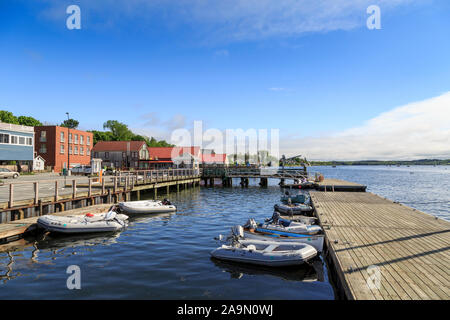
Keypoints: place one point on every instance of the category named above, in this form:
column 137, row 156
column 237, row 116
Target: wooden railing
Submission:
column 268, row 172
column 125, row 180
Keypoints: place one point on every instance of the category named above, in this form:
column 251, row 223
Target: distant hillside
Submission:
column 383, row 163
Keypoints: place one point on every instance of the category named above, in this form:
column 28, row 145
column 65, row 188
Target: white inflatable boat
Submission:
column 249, row 233
column 296, row 208
column 105, row 222
column 147, row 206
column 314, row 240
column 292, row 220
column 266, row 253
column 283, row 225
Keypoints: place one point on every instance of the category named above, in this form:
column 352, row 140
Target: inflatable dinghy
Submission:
column 147, row 206
column 89, row 223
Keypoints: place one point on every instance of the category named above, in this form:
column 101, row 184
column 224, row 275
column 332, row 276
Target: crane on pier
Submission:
column 293, row 161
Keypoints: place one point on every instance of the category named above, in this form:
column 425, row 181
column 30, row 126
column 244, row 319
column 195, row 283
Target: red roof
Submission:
column 118, row 146
column 171, row 152
column 214, row 158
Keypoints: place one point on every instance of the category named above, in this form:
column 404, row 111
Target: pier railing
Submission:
column 253, row 172
column 122, row 180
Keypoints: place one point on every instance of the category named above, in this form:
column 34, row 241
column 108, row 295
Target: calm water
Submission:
column 167, row 256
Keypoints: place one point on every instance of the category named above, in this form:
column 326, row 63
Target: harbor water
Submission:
column 168, row 256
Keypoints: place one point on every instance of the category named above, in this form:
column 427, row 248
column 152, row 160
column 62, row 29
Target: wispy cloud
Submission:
column 416, row 130
column 233, row 20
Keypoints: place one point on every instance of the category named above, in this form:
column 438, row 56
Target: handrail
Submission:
column 125, row 179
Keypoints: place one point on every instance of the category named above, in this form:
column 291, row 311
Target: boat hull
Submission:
column 314, row 240
column 145, row 207
column 77, row 225
column 260, row 257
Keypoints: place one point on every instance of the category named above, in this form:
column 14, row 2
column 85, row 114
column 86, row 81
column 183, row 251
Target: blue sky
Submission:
column 310, row 68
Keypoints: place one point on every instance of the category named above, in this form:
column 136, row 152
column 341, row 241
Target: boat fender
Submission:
column 90, row 215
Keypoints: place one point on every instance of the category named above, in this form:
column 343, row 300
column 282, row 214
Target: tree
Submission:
column 8, row 117
column 70, row 123
column 101, row 136
column 119, row 130
column 29, row 121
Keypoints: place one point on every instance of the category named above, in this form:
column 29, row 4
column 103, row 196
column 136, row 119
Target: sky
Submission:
column 334, row 88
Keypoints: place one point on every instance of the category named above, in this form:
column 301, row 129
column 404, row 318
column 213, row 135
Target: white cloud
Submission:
column 233, row 20
column 414, row 131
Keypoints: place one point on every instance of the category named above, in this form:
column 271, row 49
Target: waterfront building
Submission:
column 174, row 157
column 62, row 147
column 16, row 143
column 122, row 154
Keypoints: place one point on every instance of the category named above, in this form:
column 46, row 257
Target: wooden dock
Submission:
column 339, row 185
column 378, row 249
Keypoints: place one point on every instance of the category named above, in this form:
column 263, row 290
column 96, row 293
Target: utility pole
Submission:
column 68, row 148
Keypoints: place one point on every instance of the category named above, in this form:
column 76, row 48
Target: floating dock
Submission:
column 328, row 185
column 381, row 250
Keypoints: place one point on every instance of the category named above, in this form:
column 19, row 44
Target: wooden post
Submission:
column 56, row 190
column 138, row 195
column 36, row 192
column 103, row 186
column 11, row 195
column 115, row 185
column 90, row 188
column 74, row 188
column 167, row 190
column 156, row 192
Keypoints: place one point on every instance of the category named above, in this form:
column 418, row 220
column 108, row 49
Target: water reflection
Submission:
column 312, row 271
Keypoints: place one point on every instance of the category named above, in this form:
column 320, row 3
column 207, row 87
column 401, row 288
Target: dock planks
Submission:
column 410, row 248
column 339, row 185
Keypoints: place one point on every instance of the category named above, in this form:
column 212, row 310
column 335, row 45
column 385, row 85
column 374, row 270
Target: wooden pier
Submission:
column 378, row 249
column 38, row 199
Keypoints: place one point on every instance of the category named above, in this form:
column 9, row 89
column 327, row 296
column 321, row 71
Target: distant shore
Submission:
column 427, row 162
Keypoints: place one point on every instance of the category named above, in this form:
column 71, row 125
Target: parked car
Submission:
column 6, row 173
column 81, row 170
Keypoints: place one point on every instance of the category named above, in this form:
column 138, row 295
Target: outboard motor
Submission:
column 276, row 217
column 166, row 202
column 237, row 231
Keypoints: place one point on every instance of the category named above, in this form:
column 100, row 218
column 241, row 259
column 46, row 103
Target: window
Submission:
column 4, row 138
column 88, row 140
column 81, row 139
column 106, row 155
column 22, row 140
column 82, row 150
column 30, row 141
column 76, row 139
column 70, row 149
column 95, row 154
column 14, row 140
column 62, row 137
column 61, row 150
column 43, row 136
column 88, row 151
column 75, row 151
column 70, row 138
column 124, row 155
column 43, row 148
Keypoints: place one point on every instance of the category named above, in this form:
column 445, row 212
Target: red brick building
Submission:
column 60, row 145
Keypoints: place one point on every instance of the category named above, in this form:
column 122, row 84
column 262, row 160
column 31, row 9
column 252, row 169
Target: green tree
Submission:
column 70, row 123
column 119, row 130
column 29, row 121
column 101, row 136
column 8, row 117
